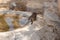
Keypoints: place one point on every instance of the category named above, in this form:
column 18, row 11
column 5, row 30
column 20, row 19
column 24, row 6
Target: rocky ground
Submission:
column 46, row 27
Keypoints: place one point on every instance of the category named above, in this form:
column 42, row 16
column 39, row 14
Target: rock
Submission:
column 35, row 7
column 50, row 13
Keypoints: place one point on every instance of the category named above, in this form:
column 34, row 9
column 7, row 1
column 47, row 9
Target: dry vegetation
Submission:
column 3, row 25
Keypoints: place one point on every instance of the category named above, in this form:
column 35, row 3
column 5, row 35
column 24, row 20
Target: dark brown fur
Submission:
column 33, row 17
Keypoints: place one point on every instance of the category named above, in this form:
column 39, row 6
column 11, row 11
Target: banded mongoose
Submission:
column 33, row 17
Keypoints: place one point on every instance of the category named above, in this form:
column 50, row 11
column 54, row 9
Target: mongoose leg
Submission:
column 31, row 21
